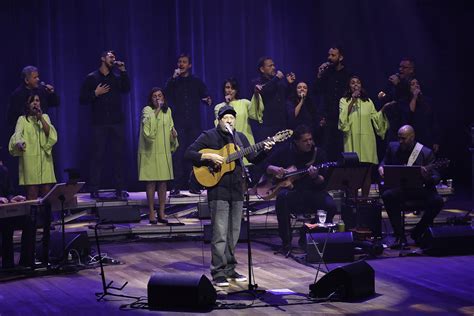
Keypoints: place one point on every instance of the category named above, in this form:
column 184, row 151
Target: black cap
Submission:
column 226, row 109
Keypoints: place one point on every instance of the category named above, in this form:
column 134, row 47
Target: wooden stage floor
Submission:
column 408, row 285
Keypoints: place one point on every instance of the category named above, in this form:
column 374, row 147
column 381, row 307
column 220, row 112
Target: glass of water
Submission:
column 321, row 216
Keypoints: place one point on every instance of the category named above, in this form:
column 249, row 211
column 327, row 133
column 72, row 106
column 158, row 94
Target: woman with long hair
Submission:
column 245, row 110
column 158, row 140
column 358, row 119
column 33, row 143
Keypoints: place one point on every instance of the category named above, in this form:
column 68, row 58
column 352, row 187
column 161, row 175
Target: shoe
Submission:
column 153, row 222
column 400, row 243
column 94, row 195
column 121, row 194
column 221, row 281
column 416, row 238
column 162, row 220
column 193, row 191
column 174, row 192
column 237, row 277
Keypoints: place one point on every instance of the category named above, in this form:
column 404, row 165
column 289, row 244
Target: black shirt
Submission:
column 185, row 93
column 230, row 187
column 308, row 114
column 274, row 94
column 332, row 86
column 20, row 96
column 106, row 108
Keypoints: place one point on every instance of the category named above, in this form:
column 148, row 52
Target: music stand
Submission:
column 60, row 197
column 349, row 179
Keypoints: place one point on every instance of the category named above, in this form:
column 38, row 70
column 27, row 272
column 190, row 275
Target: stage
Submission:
column 411, row 284
column 408, row 285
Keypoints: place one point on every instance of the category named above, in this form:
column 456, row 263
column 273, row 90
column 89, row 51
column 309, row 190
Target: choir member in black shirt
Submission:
column 102, row 90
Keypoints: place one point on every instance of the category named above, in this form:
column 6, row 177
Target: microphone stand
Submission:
column 251, row 287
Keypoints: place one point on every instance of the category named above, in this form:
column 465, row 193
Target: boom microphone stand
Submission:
column 251, row 287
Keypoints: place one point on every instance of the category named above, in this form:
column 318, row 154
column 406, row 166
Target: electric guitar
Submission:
column 269, row 186
column 210, row 174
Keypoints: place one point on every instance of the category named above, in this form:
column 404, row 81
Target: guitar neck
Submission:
column 244, row 152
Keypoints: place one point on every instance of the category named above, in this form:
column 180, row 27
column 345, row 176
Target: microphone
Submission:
column 118, row 63
column 302, row 95
column 228, row 128
column 227, row 98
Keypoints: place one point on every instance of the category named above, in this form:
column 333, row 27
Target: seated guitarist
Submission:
column 408, row 152
column 307, row 193
column 226, row 198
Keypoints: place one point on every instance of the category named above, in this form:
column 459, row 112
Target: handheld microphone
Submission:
column 227, row 98
column 228, row 128
column 302, row 95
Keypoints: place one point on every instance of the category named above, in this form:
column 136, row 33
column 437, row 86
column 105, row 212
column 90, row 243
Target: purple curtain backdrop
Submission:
column 225, row 38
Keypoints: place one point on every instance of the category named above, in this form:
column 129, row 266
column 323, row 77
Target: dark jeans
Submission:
column 226, row 217
column 108, row 145
column 7, row 227
column 395, row 199
column 297, row 202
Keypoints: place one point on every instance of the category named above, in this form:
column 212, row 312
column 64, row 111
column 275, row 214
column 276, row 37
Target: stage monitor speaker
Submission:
column 118, row 214
column 76, row 242
column 352, row 282
column 339, row 247
column 203, row 210
column 184, row 291
column 448, row 240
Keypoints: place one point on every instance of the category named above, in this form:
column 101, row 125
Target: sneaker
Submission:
column 221, row 281
column 237, row 277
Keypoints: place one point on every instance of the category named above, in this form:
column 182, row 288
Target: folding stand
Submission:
column 106, row 287
column 320, row 252
column 60, row 198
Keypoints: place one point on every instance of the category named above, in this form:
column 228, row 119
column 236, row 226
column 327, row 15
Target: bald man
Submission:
column 398, row 153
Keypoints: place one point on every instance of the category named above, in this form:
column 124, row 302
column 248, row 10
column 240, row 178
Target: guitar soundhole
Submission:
column 214, row 169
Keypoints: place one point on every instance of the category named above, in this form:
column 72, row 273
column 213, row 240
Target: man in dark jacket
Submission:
column 408, row 152
column 226, row 198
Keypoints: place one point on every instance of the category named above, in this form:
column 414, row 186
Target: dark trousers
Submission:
column 297, row 202
column 333, row 141
column 108, row 145
column 7, row 227
column 428, row 199
column 182, row 169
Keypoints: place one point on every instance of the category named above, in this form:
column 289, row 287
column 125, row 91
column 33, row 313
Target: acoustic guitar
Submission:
column 269, row 186
column 210, row 174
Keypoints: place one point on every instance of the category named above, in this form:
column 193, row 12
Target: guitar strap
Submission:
column 414, row 154
column 313, row 158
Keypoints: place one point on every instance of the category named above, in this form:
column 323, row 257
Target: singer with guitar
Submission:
column 306, row 194
column 226, row 197
column 408, row 152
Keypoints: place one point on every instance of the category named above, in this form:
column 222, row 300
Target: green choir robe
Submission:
column 155, row 146
column 358, row 128
column 245, row 110
column 36, row 162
